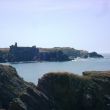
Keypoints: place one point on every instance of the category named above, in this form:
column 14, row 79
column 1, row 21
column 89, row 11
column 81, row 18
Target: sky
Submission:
column 81, row 24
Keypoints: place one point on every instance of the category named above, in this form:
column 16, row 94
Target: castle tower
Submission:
column 15, row 44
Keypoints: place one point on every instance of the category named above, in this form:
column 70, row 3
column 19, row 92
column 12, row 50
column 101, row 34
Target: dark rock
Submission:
column 53, row 56
column 10, row 85
column 16, row 94
column 55, row 91
column 3, row 56
column 95, row 55
column 70, row 52
column 17, row 104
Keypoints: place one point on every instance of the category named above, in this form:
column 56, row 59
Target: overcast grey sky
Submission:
column 82, row 24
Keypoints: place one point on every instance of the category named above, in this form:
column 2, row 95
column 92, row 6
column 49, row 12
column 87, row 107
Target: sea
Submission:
column 33, row 71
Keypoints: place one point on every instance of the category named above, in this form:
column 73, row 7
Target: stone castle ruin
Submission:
column 22, row 53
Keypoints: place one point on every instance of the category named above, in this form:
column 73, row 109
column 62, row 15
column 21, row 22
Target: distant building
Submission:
column 23, row 53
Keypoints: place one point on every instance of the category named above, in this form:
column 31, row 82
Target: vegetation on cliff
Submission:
column 55, row 91
column 71, row 92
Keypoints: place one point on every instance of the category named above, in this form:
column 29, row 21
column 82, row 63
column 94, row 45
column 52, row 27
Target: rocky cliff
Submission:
column 55, row 91
column 16, row 94
column 72, row 53
column 71, row 92
column 18, row 54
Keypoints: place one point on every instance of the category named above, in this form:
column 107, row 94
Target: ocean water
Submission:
column 31, row 72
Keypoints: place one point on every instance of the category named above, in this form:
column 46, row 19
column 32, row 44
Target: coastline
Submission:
column 55, row 90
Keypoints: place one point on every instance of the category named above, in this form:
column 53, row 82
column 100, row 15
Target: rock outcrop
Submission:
column 52, row 56
column 72, row 53
column 55, row 91
column 16, row 94
column 94, row 55
column 71, row 92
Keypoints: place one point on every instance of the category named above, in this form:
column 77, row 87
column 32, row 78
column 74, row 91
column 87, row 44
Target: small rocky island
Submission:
column 17, row 54
column 55, row 91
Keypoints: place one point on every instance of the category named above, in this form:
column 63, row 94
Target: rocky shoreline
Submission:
column 22, row 54
column 55, row 91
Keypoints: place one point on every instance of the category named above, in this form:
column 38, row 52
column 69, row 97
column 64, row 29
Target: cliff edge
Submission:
column 55, row 91
column 17, row 94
